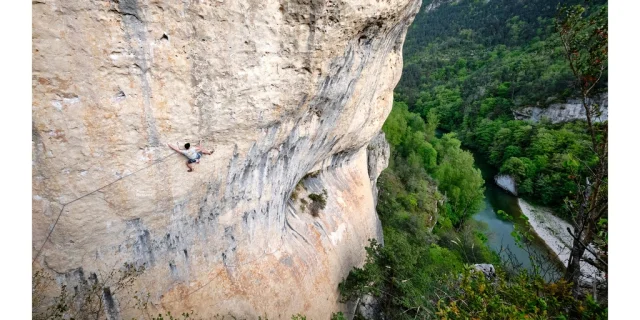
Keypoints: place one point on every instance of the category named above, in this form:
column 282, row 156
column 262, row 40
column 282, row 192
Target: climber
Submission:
column 193, row 154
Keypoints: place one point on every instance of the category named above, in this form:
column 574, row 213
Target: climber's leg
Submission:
column 205, row 151
column 189, row 165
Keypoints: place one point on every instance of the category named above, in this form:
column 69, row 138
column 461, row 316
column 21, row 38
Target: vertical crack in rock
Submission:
column 141, row 242
column 378, row 153
column 110, row 307
column 136, row 33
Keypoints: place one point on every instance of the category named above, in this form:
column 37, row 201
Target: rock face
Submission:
column 378, row 152
column 487, row 269
column 369, row 308
column 437, row 3
column 553, row 231
column 564, row 112
column 507, row 183
column 277, row 89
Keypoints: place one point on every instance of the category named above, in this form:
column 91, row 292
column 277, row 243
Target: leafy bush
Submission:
column 471, row 296
column 318, row 202
column 503, row 215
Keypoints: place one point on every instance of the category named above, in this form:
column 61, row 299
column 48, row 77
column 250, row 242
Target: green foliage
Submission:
column 503, row 215
column 543, row 158
column 469, row 66
column 400, row 274
column 585, row 36
column 474, row 80
column 407, row 190
column 319, row 198
column 395, row 126
column 514, row 166
column 433, row 121
column 421, row 280
column 338, row 316
column 473, row 296
column 468, row 242
column 446, row 103
column 503, row 50
column 318, row 202
column 404, row 273
column 458, row 179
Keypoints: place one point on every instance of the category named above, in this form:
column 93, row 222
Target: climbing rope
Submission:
column 64, row 205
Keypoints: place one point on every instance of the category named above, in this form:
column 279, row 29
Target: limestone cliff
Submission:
column 278, row 89
column 570, row 110
column 507, row 183
column 437, row 3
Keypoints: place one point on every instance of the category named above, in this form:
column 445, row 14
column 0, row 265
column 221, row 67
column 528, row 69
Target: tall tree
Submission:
column 584, row 38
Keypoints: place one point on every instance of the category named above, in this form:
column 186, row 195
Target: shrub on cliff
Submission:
column 318, row 202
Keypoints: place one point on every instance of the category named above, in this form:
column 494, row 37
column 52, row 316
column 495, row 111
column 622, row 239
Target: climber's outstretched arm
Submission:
column 203, row 150
column 174, row 148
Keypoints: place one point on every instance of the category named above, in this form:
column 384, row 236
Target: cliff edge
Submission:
column 278, row 90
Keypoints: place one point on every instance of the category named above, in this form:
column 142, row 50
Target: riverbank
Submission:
column 553, row 231
column 499, row 231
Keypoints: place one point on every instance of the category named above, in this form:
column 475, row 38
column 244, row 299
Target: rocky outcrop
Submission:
column 564, row 112
column 487, row 269
column 553, row 231
column 437, row 3
column 370, row 308
column 378, row 152
column 506, row 182
column 278, row 89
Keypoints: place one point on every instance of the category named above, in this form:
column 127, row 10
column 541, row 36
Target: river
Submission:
column 499, row 231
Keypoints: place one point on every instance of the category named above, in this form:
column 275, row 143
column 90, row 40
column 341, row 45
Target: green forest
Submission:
column 474, row 71
column 467, row 66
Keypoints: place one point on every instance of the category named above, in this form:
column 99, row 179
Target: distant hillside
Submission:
column 486, row 48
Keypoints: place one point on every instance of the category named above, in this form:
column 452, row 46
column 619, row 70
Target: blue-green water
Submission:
column 499, row 232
